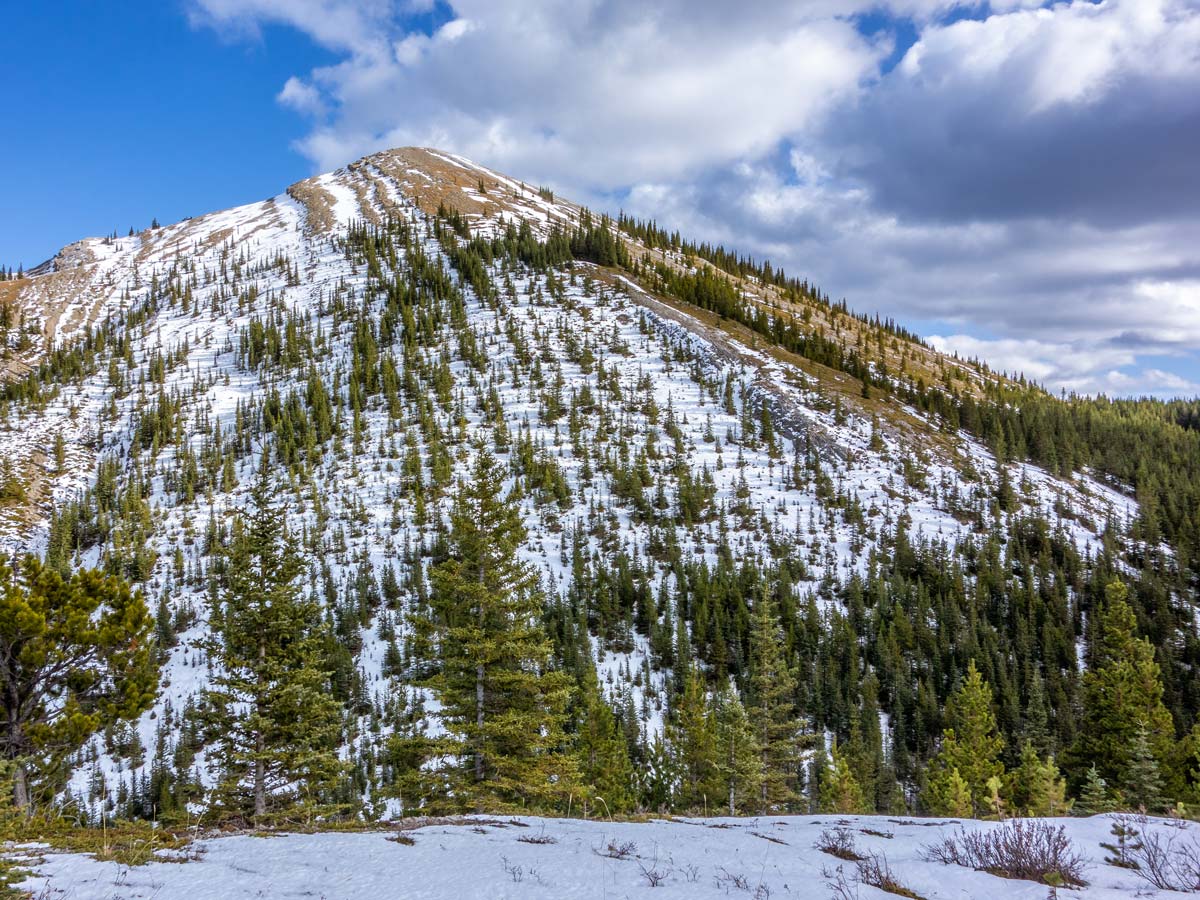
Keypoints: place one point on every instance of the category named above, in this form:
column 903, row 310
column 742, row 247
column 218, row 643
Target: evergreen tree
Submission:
column 605, row 771
column 738, row 762
column 1095, row 797
column 949, row 795
column 75, row 657
column 1122, row 695
column 1143, row 780
column 1034, row 727
column 840, row 791
column 657, row 776
column 864, row 750
column 1128, row 841
column 1034, row 787
column 772, row 708
column 275, row 723
column 818, row 775
column 694, row 744
column 503, row 707
column 969, row 751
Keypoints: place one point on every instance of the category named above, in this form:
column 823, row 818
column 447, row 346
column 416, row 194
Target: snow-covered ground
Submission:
column 557, row 859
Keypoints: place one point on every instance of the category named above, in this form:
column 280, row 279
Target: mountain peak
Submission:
column 377, row 185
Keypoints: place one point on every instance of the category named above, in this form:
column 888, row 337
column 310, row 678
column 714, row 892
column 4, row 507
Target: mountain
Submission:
column 688, row 435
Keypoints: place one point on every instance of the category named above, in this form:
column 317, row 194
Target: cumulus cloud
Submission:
column 302, row 97
column 353, row 26
column 1082, row 110
column 1024, row 171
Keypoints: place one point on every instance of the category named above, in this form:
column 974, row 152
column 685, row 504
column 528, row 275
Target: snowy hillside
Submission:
column 559, row 859
column 335, row 334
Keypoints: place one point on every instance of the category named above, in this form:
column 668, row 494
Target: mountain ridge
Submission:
column 678, row 424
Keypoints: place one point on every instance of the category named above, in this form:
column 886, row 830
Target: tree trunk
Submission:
column 479, row 722
column 260, row 766
column 479, row 693
column 260, row 780
column 732, row 771
column 21, row 788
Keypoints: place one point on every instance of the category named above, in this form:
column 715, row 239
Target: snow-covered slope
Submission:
column 213, row 338
column 556, row 859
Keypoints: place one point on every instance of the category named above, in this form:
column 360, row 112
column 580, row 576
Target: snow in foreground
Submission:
column 558, row 859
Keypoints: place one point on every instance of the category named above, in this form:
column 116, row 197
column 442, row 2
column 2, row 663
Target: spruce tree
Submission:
column 818, row 775
column 969, row 751
column 1095, row 797
column 1143, row 788
column 772, row 709
column 1122, row 695
column 276, row 726
column 738, row 763
column 503, row 706
column 865, row 751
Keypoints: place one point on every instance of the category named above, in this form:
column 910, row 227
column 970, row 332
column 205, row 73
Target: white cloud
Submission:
column 1027, row 171
column 1073, row 53
column 354, row 26
column 1057, row 363
column 302, row 97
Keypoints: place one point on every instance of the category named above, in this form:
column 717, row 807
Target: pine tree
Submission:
column 503, row 707
column 694, row 744
column 75, row 657
column 605, row 771
column 970, row 747
column 1128, row 842
column 275, row 724
column 772, row 709
column 818, row 775
column 657, row 775
column 1122, row 694
column 864, row 749
column 840, row 792
column 1034, row 787
column 738, row 762
column 1035, row 724
column 947, row 793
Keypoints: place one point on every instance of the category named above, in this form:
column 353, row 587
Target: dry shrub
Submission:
column 874, row 870
column 1021, row 848
column 1165, row 859
column 622, row 850
column 838, row 842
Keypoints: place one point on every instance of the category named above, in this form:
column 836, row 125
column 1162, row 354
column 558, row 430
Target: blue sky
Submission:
column 118, row 117
column 1015, row 179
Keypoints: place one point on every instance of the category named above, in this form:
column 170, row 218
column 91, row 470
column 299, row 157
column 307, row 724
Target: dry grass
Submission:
column 317, row 202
